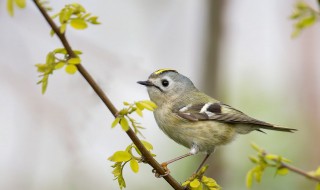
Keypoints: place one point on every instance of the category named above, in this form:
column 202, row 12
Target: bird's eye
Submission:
column 165, row 83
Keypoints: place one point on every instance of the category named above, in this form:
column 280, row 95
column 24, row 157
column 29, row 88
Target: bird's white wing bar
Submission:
column 196, row 112
column 204, row 109
column 183, row 109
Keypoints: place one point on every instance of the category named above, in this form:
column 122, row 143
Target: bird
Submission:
column 195, row 120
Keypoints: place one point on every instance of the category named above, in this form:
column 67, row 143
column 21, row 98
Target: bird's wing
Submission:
column 218, row 112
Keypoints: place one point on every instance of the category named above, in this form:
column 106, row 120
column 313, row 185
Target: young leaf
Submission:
column 65, row 15
column 52, row 32
column 71, row 69
column 301, row 5
column 120, row 156
column 134, row 165
column 20, row 3
column 60, row 50
column 205, row 179
column 122, row 183
column 74, row 60
column 117, row 169
column 272, row 157
column 296, row 14
column 63, row 28
column 10, row 7
column 210, row 183
column 258, row 173
column 150, row 103
column 186, row 183
column 253, row 159
column 139, row 106
column 86, row 15
column 306, row 22
column 78, row 24
column 115, row 122
column 282, row 171
column 41, row 68
column 147, row 145
column 55, row 15
column 93, row 20
column 126, row 103
column 59, row 65
column 78, row 52
column 139, row 112
column 44, row 83
column 256, row 147
column 249, row 178
column 50, row 58
column 78, row 7
column 123, row 111
column 124, row 124
column 145, row 105
column 194, row 184
column 317, row 173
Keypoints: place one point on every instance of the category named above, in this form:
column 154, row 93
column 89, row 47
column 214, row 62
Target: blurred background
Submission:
column 239, row 52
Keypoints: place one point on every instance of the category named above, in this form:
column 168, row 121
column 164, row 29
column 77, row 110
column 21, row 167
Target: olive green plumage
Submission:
column 194, row 119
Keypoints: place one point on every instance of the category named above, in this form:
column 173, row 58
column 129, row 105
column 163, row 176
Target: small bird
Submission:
column 194, row 119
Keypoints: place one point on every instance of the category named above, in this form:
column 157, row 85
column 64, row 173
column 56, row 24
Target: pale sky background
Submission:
column 61, row 140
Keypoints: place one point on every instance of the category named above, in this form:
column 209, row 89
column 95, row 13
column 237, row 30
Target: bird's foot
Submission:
column 165, row 168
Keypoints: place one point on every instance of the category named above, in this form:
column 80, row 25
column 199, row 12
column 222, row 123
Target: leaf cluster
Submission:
column 12, row 3
column 200, row 182
column 265, row 160
column 22, row 4
column 76, row 16
column 124, row 117
column 55, row 60
column 305, row 16
column 121, row 158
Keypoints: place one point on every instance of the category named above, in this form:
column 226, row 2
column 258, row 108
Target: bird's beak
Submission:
column 146, row 83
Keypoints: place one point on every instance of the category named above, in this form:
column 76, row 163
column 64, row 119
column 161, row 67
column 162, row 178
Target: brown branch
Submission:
column 300, row 172
column 292, row 168
column 146, row 154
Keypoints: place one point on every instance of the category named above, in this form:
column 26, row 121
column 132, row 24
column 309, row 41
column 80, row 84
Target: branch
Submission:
column 300, row 172
column 264, row 160
column 147, row 156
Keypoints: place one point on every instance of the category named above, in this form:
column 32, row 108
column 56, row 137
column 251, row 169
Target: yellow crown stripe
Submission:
column 158, row 72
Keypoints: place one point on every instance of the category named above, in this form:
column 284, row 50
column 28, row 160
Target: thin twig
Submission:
column 300, row 172
column 146, row 154
column 292, row 168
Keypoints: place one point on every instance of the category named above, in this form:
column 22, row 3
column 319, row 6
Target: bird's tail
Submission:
column 278, row 128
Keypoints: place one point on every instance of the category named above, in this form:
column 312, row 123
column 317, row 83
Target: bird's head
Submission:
column 166, row 85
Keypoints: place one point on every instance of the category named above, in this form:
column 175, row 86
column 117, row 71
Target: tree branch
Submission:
column 146, row 154
column 300, row 172
column 292, row 168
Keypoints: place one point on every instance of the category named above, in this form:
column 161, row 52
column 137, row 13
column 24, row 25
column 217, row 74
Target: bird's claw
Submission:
column 165, row 168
